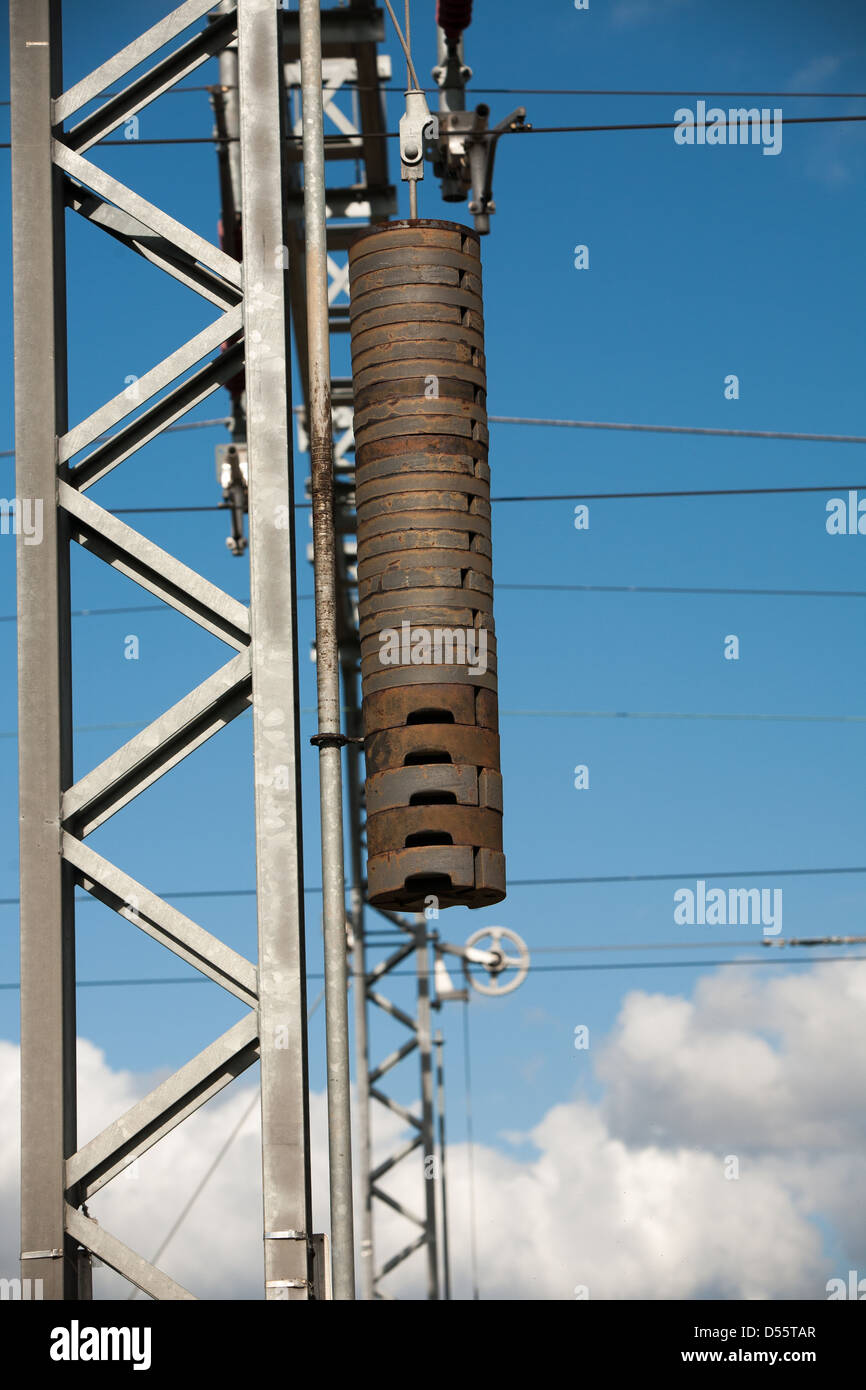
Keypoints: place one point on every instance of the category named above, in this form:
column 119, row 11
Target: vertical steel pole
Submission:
column 425, row 1048
column 329, row 737
column 48, row 1130
column 439, row 1042
column 362, row 1143
column 279, row 859
column 228, row 70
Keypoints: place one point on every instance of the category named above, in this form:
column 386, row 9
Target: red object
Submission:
column 453, row 16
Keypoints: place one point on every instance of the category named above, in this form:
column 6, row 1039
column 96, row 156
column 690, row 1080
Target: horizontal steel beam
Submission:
column 359, row 201
column 342, row 31
column 150, row 1119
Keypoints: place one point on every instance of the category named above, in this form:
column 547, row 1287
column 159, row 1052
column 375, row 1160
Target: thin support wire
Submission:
column 410, row 67
column 188, row 1205
column 470, row 1145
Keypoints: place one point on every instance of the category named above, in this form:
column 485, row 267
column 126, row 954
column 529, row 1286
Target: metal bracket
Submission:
column 465, row 157
column 416, row 126
column 333, row 740
column 41, row 1255
column 233, row 476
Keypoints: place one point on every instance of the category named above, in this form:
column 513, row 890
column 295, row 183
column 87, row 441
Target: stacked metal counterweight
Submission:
column 428, row 649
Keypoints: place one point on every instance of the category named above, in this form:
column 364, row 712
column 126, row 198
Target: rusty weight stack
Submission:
column 434, row 789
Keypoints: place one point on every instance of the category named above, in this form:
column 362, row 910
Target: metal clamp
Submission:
column 333, row 740
column 41, row 1255
column 465, row 158
column 285, row 1235
column 416, row 126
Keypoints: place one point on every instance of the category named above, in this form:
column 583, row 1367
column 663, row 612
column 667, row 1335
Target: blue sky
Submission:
column 703, row 262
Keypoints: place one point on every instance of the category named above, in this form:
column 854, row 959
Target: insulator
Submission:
column 425, row 578
column 453, row 16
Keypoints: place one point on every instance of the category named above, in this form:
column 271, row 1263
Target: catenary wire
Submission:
column 533, row 969
column 528, row 882
column 526, row 588
column 579, row 425
column 553, row 714
column 518, row 130
column 549, row 497
column 538, row 92
column 679, row 429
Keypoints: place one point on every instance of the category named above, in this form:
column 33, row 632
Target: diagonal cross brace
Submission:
column 153, row 217
column 119, row 1257
column 150, row 423
column 149, row 385
column 155, row 570
column 129, row 57
column 161, row 921
column 153, row 83
column 162, row 745
column 140, row 239
column 150, row 1119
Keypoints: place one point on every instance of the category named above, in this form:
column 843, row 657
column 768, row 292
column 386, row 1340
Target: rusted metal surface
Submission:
column 429, row 656
column 447, row 704
column 456, row 784
column 419, row 744
column 455, row 875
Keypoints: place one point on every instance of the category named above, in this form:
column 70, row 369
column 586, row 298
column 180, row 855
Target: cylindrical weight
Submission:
column 425, row 600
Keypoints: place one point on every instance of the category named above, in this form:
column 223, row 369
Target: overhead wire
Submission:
column 404, row 44
column 513, row 130
column 577, row 425
column 532, row 969
column 540, row 92
column 547, row 497
column 679, row 429
column 554, row 714
column 526, row 588
column 529, row 882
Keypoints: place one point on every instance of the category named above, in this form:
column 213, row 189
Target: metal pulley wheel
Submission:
column 517, row 961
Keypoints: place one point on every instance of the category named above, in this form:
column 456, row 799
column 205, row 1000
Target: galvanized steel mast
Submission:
column 56, row 465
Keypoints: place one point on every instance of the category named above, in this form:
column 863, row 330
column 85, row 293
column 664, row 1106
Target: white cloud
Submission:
column 628, row 1197
column 748, row 1064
